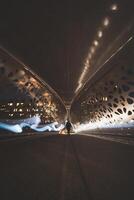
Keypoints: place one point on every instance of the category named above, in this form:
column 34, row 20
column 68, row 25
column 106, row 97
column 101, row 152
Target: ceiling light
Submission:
column 86, row 67
column 100, row 34
column 114, row 7
column 89, row 55
column 106, row 21
column 87, row 62
column 96, row 43
column 92, row 49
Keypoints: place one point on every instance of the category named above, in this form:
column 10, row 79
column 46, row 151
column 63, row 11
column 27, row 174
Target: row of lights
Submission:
column 17, row 104
column 11, row 114
column 38, row 104
column 49, row 114
column 105, row 99
column 95, row 44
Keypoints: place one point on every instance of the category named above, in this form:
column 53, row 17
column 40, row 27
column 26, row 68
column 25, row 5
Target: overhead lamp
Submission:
column 96, row 43
column 106, row 21
column 89, row 55
column 100, row 34
column 86, row 67
column 92, row 49
column 114, row 7
column 87, row 62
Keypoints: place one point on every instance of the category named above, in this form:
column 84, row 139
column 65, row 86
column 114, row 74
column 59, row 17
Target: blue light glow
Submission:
column 13, row 128
column 31, row 123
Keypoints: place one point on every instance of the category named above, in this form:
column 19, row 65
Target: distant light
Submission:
column 87, row 62
column 106, row 21
column 89, row 55
column 96, row 43
column 10, row 104
column 86, row 67
column 105, row 98
column 92, row 49
column 100, row 34
column 114, row 7
column 46, row 94
column 40, row 104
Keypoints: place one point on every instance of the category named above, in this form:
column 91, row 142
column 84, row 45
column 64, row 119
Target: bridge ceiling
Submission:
column 55, row 38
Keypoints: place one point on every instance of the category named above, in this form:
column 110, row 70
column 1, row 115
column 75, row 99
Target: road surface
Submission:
column 61, row 167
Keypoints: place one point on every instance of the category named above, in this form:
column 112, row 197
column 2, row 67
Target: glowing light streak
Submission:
column 31, row 123
column 13, row 128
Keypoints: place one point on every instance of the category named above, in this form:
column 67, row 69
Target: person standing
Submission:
column 68, row 126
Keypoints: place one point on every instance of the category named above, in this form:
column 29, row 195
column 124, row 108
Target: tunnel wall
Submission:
column 109, row 100
column 40, row 95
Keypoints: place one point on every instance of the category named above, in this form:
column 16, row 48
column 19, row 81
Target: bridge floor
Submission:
column 62, row 167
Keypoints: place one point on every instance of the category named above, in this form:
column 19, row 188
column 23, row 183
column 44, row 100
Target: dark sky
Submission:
column 53, row 37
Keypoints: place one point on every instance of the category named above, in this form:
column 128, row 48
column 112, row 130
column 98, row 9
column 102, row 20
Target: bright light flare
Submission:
column 13, row 128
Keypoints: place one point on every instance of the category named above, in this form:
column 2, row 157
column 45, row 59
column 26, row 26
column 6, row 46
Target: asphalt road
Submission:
column 62, row 167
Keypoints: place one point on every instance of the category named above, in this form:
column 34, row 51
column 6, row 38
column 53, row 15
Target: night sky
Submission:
column 53, row 37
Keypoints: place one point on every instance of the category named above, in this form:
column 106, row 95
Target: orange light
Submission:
column 46, row 94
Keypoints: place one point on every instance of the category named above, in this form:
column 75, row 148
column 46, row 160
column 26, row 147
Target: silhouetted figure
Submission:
column 68, row 126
